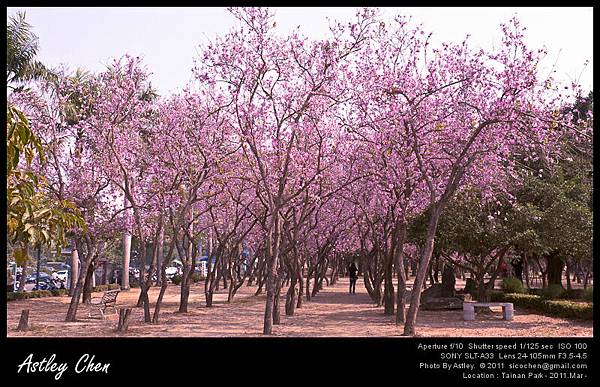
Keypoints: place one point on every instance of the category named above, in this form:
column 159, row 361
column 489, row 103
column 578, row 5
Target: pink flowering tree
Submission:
column 277, row 89
column 72, row 174
column 460, row 112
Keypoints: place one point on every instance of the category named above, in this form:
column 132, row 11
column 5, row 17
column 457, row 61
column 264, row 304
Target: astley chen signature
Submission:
column 85, row 364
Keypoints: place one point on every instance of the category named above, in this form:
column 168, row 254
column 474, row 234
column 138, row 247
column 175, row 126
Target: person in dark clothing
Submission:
column 353, row 270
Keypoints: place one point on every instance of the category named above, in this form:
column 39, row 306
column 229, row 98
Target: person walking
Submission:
column 353, row 270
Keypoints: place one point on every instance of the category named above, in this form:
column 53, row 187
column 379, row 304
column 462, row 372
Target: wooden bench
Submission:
column 469, row 309
column 108, row 300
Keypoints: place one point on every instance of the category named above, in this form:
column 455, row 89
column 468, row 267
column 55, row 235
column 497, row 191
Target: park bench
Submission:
column 469, row 309
column 108, row 300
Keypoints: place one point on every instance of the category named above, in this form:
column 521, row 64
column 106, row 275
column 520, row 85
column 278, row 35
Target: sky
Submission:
column 168, row 39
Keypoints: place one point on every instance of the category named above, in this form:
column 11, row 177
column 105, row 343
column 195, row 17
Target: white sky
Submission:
column 167, row 38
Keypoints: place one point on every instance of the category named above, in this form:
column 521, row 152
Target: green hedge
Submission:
column 535, row 291
column 196, row 277
column 104, row 288
column 575, row 294
column 513, row 285
column 554, row 308
column 176, row 279
column 12, row 296
column 588, row 294
column 553, row 291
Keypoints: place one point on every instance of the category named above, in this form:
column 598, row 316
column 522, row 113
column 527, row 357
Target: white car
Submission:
column 61, row 275
column 171, row 271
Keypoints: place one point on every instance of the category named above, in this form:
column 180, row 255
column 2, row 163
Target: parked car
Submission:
column 134, row 272
column 61, row 275
column 51, row 284
column 57, row 266
column 45, row 277
column 172, row 271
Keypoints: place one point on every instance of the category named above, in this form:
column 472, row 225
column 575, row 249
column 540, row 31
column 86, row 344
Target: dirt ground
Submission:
column 332, row 313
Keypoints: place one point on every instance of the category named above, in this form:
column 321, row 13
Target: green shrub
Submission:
column 588, row 294
column 535, row 291
column 554, row 308
column 104, row 288
column 176, row 279
column 41, row 293
column 523, row 300
column 569, row 309
column 196, row 277
column 575, row 294
column 496, row 295
column 553, row 292
column 13, row 296
column 513, row 285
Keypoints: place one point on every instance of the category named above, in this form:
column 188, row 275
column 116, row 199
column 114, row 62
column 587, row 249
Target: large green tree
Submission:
column 554, row 201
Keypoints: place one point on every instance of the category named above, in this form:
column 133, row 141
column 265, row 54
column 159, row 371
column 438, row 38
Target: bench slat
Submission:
column 109, row 298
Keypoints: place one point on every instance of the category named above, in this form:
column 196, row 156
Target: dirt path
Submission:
column 333, row 312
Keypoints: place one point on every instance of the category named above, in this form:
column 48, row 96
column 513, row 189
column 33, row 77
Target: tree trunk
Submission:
column 586, row 279
column 88, row 286
column 436, row 270
column 123, row 324
column 160, row 251
column 402, row 273
column 430, row 272
column 482, row 295
column 24, row 321
column 526, row 270
column 185, row 291
column 308, row 287
column 300, row 288
column 74, row 304
column 368, row 284
column 104, row 270
column 261, row 280
column 23, row 277
column 186, row 278
column 276, row 308
column 290, row 298
column 555, row 266
column 126, row 260
column 388, row 289
column 74, row 267
column 569, row 288
column 411, row 318
column 273, row 257
column 163, row 289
